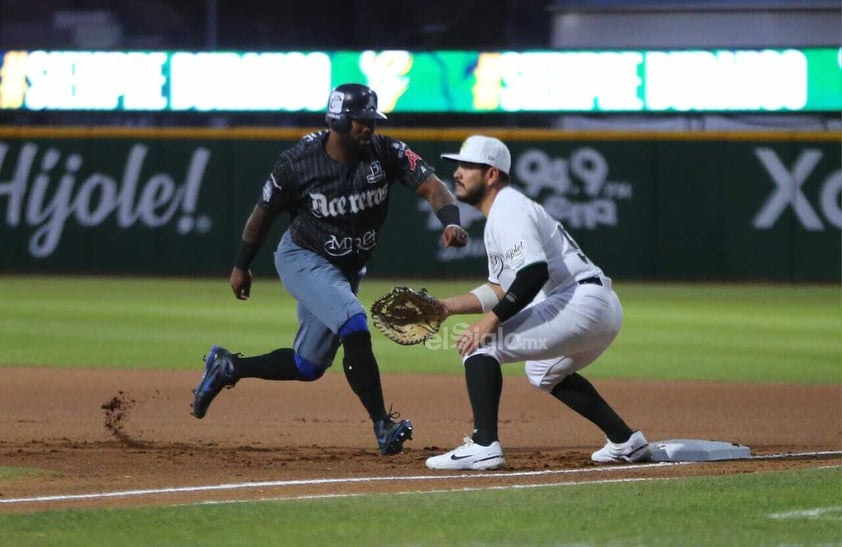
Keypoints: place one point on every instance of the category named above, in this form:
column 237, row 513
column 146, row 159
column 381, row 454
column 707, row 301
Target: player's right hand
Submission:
column 454, row 236
column 442, row 310
column 241, row 283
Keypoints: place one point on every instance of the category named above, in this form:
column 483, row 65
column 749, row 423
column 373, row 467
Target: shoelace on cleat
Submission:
column 392, row 414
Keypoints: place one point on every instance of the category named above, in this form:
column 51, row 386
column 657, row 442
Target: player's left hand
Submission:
column 241, row 283
column 454, row 236
column 477, row 333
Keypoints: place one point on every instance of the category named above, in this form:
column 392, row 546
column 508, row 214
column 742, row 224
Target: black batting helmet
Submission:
column 348, row 102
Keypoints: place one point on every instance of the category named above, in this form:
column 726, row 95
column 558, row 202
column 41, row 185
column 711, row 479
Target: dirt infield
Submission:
column 98, row 434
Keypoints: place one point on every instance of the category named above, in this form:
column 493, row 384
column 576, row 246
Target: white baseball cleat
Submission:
column 636, row 449
column 470, row 456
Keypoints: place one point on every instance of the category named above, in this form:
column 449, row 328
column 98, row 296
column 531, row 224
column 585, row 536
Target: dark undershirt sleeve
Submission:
column 527, row 284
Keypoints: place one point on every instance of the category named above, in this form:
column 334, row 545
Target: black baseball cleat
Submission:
column 219, row 373
column 391, row 435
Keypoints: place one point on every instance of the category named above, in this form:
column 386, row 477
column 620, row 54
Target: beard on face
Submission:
column 363, row 148
column 472, row 197
column 355, row 144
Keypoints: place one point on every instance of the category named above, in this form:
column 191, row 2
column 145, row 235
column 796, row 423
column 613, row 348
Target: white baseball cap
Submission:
column 483, row 150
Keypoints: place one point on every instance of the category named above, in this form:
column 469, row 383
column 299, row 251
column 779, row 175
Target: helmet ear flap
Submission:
column 341, row 123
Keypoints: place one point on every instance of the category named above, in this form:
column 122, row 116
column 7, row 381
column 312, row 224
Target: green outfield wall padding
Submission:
column 684, row 207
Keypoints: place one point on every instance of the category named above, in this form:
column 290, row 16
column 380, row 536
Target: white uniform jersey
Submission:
column 520, row 232
column 568, row 324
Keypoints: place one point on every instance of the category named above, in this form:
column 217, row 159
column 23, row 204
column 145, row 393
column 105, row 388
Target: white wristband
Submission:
column 486, row 296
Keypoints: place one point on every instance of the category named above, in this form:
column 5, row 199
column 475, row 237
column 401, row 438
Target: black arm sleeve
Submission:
column 449, row 215
column 527, row 284
column 246, row 254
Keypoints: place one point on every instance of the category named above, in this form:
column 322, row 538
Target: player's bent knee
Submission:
column 545, row 378
column 488, row 351
column 307, row 370
column 356, row 323
column 540, row 384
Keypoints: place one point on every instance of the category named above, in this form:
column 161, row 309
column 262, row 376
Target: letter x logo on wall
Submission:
column 788, row 189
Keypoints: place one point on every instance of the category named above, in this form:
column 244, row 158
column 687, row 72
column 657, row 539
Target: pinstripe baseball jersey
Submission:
column 337, row 209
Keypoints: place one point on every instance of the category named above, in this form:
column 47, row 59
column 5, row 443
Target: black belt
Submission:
column 595, row 280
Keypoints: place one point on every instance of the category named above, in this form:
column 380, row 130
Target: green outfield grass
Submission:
column 785, row 508
column 753, row 333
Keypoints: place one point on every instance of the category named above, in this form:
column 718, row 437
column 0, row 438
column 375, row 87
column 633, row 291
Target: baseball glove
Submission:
column 406, row 316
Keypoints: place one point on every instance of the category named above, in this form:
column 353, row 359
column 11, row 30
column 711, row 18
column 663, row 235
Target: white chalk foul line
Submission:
column 312, row 482
column 302, row 497
column 351, row 480
column 823, row 454
column 414, row 492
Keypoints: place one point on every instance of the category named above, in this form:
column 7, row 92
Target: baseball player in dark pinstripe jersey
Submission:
column 335, row 185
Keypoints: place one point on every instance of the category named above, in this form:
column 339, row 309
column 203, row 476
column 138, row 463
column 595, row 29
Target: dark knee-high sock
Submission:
column 580, row 395
column 276, row 365
column 362, row 373
column 485, row 384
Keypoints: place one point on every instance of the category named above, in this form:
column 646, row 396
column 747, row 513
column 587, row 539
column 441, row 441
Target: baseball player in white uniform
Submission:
column 545, row 303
